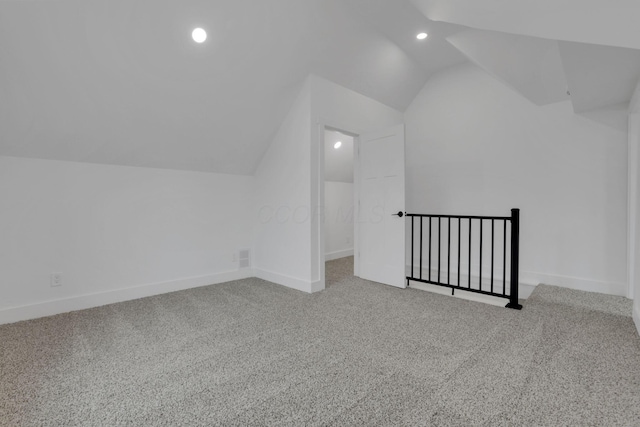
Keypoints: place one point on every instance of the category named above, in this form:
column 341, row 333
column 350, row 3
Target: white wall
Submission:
column 281, row 205
column 345, row 109
column 476, row 147
column 114, row 232
column 118, row 233
column 338, row 220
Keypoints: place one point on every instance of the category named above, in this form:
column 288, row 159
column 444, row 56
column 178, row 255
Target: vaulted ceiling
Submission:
column 605, row 22
column 587, row 51
column 122, row 82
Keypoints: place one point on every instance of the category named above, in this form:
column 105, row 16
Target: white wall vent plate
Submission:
column 244, row 258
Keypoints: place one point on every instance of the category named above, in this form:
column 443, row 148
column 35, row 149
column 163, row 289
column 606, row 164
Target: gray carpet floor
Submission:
column 253, row 353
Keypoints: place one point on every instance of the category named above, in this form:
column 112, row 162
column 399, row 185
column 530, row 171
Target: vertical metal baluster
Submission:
column 480, row 275
column 492, row 228
column 439, row 241
column 469, row 253
column 429, row 248
column 449, row 251
column 504, row 260
column 459, row 228
column 420, row 248
column 413, row 274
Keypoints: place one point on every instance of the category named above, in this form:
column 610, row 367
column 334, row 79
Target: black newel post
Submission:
column 515, row 259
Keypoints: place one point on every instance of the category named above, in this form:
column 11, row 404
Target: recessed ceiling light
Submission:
column 199, row 35
column 421, row 36
column 337, row 145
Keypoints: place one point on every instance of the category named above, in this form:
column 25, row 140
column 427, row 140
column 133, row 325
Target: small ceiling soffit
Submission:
column 529, row 65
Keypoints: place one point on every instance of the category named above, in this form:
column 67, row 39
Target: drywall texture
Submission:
column 108, row 228
column 338, row 219
column 476, row 147
column 340, row 107
column 281, row 204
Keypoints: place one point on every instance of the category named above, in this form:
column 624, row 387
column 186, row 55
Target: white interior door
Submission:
column 381, row 229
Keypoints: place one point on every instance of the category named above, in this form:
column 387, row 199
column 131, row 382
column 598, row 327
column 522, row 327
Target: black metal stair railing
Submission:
column 457, row 225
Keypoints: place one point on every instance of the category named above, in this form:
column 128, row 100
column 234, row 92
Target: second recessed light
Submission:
column 421, row 36
column 199, row 35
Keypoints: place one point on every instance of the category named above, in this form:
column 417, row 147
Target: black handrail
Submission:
column 514, row 220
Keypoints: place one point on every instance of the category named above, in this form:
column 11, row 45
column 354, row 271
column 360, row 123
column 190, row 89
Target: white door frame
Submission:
column 633, row 232
column 320, row 201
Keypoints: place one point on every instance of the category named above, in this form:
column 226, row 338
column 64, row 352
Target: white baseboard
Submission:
column 287, row 281
column 636, row 317
column 577, row 283
column 82, row 302
column 526, row 289
column 316, row 286
column 338, row 254
column 530, row 279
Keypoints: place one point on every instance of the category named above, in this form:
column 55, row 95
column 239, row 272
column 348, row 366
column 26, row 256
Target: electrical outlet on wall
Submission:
column 348, row 239
column 56, row 280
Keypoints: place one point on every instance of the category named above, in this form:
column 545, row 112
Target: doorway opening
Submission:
column 378, row 205
column 339, row 204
